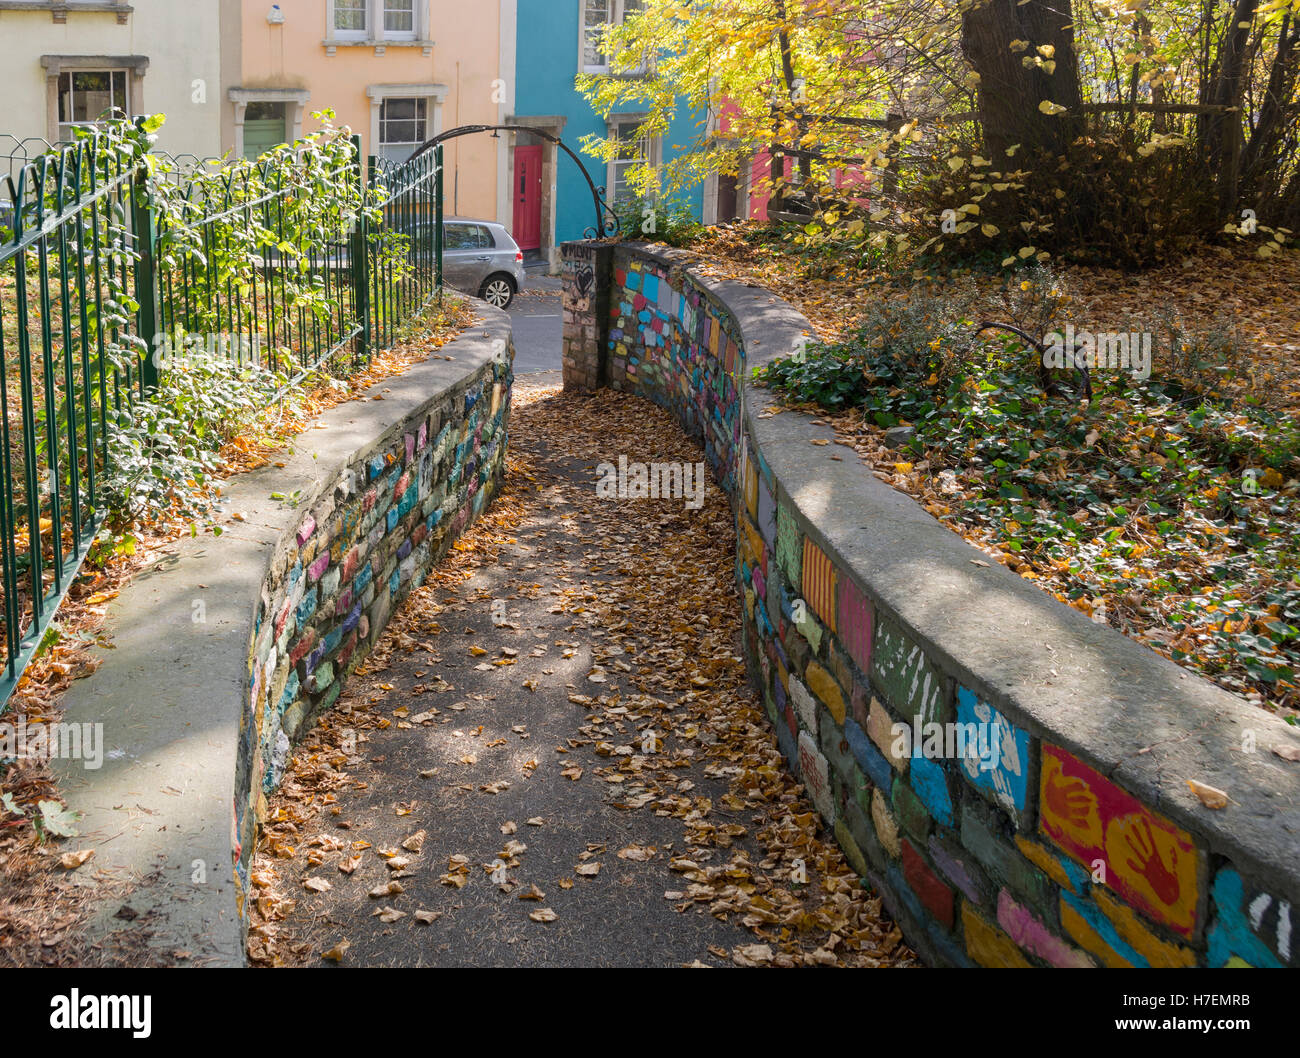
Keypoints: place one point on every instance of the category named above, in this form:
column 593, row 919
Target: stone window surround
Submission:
column 54, row 65
column 59, row 9
column 375, row 32
column 295, row 100
column 377, row 93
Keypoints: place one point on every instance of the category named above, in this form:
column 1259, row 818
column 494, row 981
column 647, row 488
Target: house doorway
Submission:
column 528, row 197
column 265, row 127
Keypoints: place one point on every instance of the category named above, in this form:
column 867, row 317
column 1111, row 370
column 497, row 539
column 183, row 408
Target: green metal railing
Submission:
column 401, row 282
column 96, row 281
column 67, row 305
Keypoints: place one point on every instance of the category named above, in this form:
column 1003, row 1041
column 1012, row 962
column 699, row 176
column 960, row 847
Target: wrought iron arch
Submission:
column 606, row 219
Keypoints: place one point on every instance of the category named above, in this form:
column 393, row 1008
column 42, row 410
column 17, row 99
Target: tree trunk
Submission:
column 1009, row 91
column 1263, row 153
column 1223, row 135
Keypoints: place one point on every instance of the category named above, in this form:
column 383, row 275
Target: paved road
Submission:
column 535, row 316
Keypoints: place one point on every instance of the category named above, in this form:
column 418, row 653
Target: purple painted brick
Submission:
column 410, row 446
column 315, row 658
column 353, row 620
column 955, row 871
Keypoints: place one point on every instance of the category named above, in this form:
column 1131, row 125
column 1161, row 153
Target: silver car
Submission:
column 480, row 258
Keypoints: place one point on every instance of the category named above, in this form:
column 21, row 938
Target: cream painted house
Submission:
column 397, row 72
column 67, row 61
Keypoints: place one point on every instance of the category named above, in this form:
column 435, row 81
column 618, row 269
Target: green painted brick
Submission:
column 907, row 678
column 789, row 548
column 910, row 810
column 994, row 848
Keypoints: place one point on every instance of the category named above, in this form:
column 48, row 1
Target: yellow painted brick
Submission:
column 1127, row 924
column 851, row 851
column 824, row 686
column 1042, row 858
column 880, row 729
column 987, row 944
column 783, row 676
column 751, row 490
column 1089, row 939
column 1238, row 963
column 754, row 537
column 886, row 828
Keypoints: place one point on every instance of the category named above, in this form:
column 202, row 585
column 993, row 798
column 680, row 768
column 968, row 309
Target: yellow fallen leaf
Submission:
column 72, row 860
column 1209, row 796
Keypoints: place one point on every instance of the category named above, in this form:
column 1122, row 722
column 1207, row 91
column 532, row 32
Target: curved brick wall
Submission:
column 1076, row 842
column 414, row 470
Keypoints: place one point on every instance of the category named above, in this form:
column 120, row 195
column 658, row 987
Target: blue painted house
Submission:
column 555, row 41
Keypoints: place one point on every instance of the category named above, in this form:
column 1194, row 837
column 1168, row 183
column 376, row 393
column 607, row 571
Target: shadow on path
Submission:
column 561, row 710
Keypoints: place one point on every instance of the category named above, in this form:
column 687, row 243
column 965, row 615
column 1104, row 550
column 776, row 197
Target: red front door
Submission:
column 528, row 197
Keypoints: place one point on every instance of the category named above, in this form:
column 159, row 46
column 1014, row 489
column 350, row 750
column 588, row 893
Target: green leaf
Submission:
column 58, row 820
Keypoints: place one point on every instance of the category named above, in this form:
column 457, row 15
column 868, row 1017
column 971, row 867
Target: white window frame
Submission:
column 72, row 74
column 365, row 33
column 425, row 119
column 375, row 32
column 652, row 149
column 398, row 34
column 435, row 94
column 616, row 13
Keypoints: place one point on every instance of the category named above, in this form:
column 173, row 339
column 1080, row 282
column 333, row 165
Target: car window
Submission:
column 460, row 237
column 485, row 240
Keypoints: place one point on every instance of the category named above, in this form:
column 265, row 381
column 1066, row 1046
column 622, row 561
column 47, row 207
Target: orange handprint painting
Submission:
column 1156, row 861
column 1070, row 804
column 1148, row 860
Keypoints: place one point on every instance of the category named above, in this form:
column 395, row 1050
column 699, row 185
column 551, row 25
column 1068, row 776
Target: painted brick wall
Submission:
column 1031, row 856
column 355, row 554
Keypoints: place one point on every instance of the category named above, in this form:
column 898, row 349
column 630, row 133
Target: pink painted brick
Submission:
column 856, row 618
column 424, row 435
column 410, row 446
column 1030, row 935
column 306, row 529
column 317, row 569
column 402, row 483
column 350, row 562
column 282, row 617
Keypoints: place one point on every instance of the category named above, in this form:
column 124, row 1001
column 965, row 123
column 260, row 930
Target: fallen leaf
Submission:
column 1209, row 795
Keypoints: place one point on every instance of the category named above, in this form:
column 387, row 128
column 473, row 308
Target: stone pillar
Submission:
column 586, row 273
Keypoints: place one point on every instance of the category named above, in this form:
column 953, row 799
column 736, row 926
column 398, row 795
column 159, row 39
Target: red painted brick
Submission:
column 936, row 897
column 302, row 648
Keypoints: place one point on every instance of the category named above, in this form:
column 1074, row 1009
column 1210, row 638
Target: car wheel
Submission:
column 498, row 291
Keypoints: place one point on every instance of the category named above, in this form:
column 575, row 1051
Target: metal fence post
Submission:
column 360, row 255
column 437, row 234
column 147, row 291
